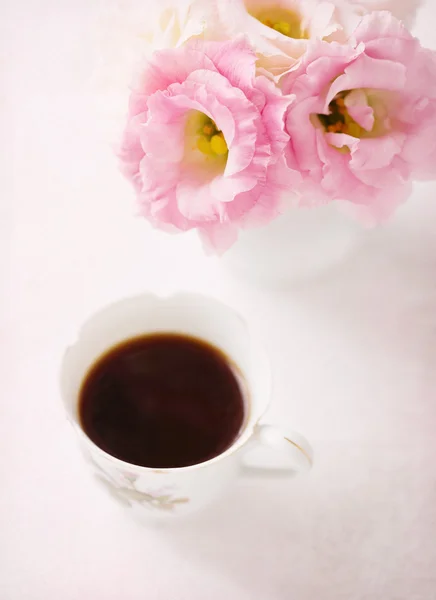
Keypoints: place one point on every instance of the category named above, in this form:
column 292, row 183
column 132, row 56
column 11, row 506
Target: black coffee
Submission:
column 162, row 400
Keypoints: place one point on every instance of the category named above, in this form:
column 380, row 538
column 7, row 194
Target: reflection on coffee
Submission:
column 162, row 400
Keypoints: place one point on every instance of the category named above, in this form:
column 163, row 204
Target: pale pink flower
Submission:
column 205, row 140
column 281, row 30
column 364, row 120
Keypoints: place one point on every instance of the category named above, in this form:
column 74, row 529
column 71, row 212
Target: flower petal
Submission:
column 367, row 72
column 303, row 139
column 376, row 153
column 166, row 67
column 356, row 103
column 236, row 60
column 196, row 202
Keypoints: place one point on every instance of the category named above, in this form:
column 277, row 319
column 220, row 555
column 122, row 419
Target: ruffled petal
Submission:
column 303, row 133
column 367, row 72
column 357, row 106
column 376, row 153
column 181, row 183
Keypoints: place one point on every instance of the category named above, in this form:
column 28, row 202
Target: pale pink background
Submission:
column 354, row 356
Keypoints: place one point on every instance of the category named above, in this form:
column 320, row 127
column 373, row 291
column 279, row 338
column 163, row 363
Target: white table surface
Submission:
column 354, row 356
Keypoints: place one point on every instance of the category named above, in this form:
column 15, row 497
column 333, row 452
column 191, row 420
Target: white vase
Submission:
column 300, row 244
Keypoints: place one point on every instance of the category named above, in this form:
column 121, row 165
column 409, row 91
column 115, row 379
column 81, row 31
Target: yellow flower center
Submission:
column 286, row 22
column 206, row 148
column 210, row 140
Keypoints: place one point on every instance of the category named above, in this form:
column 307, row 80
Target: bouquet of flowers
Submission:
column 243, row 108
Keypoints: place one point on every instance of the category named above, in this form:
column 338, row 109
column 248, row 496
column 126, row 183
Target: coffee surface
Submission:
column 162, row 401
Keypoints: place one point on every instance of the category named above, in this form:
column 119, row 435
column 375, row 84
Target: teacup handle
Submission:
column 273, row 451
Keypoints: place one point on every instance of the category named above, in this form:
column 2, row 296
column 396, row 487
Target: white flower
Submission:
column 280, row 30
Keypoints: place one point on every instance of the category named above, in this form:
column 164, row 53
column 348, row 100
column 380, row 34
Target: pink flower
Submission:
column 364, row 120
column 204, row 141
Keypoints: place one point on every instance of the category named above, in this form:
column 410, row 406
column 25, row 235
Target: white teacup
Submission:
column 166, row 493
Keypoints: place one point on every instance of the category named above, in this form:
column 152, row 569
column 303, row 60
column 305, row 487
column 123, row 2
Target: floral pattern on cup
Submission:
column 127, row 494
